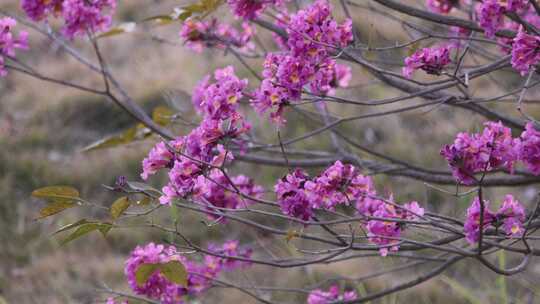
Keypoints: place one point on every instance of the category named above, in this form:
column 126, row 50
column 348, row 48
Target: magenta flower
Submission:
column 490, row 16
column 292, row 196
column 441, row 6
column 494, row 148
column 82, row 16
column 159, row 157
column 525, row 51
column 319, row 296
column 219, row 100
column 8, row 43
column 430, row 60
column 472, row 223
column 512, row 216
column 38, row 10
column 529, row 148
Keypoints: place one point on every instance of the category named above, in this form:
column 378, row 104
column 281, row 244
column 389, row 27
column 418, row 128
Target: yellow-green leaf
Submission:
column 85, row 229
column 175, row 272
column 57, row 193
column 144, row 271
column 127, row 27
column 113, row 141
column 162, row 115
column 54, row 208
column 119, row 206
column 71, row 226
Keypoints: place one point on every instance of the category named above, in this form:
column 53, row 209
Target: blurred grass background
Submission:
column 43, row 128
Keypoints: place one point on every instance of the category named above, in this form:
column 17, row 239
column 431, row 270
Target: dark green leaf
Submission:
column 85, row 229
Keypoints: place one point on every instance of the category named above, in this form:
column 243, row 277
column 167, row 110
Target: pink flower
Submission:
column 472, row 223
column 158, row 158
column 441, row 6
column 319, row 296
column 430, row 60
column 490, row 16
column 529, row 148
column 512, row 216
column 38, row 10
column 292, row 196
column 525, row 51
column 8, row 42
column 494, row 148
column 82, row 16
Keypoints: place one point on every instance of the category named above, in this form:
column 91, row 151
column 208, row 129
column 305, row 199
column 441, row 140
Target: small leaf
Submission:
column 291, row 234
column 112, row 141
column 162, row 115
column 85, row 229
column 57, row 193
column 144, row 271
column 127, row 27
column 175, row 272
column 119, row 206
column 70, row 226
column 144, row 201
column 54, row 208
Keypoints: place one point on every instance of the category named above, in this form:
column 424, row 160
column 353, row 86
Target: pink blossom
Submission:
column 430, row 60
column 319, row 296
column 158, row 158
column 38, row 10
column 494, row 148
column 529, row 148
column 490, row 16
column 8, row 43
column 441, row 6
column 525, row 51
column 251, row 9
column 512, row 216
column 292, row 196
column 82, row 16
column 472, row 223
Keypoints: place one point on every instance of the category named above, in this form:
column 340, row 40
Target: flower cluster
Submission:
column 200, row 274
column 80, row 16
column 193, row 160
column 251, row 9
column 198, row 34
column 319, row 296
column 9, row 43
column 525, row 51
column 430, row 60
column 509, row 217
column 494, row 148
column 299, row 196
column 305, row 61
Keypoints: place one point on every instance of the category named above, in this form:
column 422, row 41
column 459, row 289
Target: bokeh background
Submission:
column 44, row 127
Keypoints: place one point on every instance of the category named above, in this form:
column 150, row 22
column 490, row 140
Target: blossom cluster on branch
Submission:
column 200, row 273
column 80, row 16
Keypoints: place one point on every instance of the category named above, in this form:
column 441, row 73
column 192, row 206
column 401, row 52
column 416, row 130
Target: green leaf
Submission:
column 112, row 141
column 54, row 208
column 144, row 271
column 85, row 229
column 175, row 272
column 71, row 226
column 127, row 27
column 57, row 193
column 119, row 206
column 162, row 115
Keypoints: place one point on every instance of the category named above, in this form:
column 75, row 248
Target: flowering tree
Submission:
column 327, row 194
